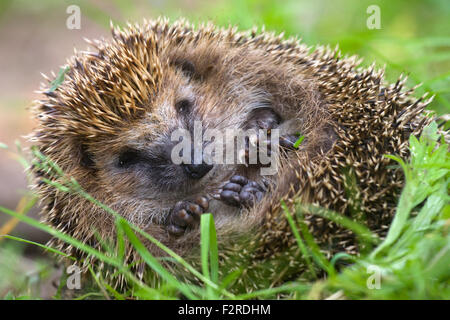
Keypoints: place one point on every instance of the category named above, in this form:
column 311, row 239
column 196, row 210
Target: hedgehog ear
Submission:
column 86, row 158
column 186, row 66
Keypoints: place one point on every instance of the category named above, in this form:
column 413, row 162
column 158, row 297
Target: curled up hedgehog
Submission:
column 109, row 125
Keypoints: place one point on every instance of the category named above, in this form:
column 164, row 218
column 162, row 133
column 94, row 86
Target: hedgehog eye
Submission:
column 128, row 158
column 183, row 105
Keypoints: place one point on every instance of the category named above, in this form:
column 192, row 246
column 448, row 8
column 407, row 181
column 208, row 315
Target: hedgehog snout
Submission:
column 192, row 168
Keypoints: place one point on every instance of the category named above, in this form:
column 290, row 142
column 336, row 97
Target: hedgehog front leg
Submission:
column 186, row 215
column 241, row 192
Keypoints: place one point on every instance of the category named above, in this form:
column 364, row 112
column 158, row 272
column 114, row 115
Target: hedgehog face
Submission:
column 138, row 159
column 135, row 163
column 196, row 84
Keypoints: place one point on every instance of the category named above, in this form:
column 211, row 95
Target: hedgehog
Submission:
column 109, row 126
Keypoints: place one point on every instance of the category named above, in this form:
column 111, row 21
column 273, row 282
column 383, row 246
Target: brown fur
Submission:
column 123, row 95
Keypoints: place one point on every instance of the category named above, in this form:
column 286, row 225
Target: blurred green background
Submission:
column 414, row 39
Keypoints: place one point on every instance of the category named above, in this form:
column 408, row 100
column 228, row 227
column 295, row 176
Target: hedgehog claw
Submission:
column 186, row 215
column 287, row 142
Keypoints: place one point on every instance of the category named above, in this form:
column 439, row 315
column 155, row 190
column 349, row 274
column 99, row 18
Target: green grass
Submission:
column 410, row 263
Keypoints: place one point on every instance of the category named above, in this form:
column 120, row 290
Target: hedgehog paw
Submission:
column 186, row 215
column 241, row 192
column 267, row 119
column 287, row 142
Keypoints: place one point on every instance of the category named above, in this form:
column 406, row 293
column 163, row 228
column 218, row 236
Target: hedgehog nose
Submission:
column 197, row 171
